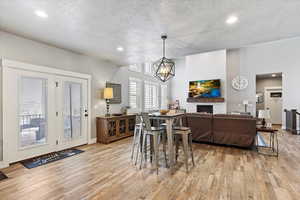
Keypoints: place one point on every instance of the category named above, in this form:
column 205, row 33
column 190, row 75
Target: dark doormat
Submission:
column 48, row 158
column 2, row 176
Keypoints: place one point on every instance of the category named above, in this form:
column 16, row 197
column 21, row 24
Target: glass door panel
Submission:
column 33, row 112
column 72, row 110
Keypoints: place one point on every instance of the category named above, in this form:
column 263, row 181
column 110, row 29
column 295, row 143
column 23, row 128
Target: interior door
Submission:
column 273, row 102
column 29, row 128
column 72, row 113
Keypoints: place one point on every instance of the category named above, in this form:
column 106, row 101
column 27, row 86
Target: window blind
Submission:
column 150, row 96
column 134, row 93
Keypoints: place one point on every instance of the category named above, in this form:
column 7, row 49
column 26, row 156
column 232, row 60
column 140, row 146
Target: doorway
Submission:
column 45, row 110
column 269, row 96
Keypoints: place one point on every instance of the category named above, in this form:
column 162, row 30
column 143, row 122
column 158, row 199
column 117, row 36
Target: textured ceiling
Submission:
column 97, row 27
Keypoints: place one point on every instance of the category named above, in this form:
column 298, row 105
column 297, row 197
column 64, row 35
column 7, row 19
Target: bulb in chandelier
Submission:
column 163, row 70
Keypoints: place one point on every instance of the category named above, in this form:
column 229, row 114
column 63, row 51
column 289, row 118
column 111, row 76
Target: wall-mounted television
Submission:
column 205, row 89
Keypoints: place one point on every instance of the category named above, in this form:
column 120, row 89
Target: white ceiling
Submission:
column 98, row 27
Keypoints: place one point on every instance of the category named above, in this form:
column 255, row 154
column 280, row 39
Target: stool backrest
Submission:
column 138, row 119
column 146, row 120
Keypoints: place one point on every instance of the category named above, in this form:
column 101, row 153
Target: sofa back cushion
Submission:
column 232, row 116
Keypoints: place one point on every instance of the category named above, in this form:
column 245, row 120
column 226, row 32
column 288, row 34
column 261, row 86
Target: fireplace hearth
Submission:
column 205, row 109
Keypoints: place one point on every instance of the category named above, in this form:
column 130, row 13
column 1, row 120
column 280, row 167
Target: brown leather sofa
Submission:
column 237, row 130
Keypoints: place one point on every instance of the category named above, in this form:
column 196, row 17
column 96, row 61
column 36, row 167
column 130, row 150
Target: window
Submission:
column 150, row 96
column 148, row 69
column 164, row 97
column 135, row 68
column 33, row 111
column 135, row 93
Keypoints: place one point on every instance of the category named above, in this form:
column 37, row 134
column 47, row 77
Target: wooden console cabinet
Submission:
column 113, row 128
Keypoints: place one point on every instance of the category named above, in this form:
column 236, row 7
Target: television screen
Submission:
column 205, row 88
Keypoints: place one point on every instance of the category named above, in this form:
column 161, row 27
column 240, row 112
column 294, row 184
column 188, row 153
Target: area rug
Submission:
column 48, row 158
column 2, row 176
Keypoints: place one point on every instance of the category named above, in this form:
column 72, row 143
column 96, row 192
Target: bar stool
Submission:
column 154, row 133
column 186, row 138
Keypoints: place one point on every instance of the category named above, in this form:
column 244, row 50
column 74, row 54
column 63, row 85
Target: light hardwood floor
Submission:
column 106, row 172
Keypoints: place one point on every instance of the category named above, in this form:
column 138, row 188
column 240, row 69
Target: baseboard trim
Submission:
column 92, row 141
column 3, row 164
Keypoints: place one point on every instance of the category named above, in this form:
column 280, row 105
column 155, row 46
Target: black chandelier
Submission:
column 164, row 67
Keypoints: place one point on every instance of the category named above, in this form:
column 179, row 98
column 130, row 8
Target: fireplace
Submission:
column 205, row 109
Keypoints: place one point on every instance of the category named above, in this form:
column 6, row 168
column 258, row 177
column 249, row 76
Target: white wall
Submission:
column 205, row 66
column 278, row 56
column 21, row 49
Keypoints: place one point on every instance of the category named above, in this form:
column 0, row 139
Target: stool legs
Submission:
column 139, row 148
column 164, row 140
column 191, row 148
column 144, row 149
column 176, row 147
column 185, row 150
column 133, row 142
column 155, row 150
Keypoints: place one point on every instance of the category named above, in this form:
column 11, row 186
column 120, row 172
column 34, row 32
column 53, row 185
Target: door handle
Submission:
column 86, row 115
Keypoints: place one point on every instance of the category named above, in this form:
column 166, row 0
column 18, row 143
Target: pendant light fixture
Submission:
column 164, row 67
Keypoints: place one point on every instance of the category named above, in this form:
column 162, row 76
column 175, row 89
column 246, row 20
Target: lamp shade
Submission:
column 108, row 93
column 264, row 114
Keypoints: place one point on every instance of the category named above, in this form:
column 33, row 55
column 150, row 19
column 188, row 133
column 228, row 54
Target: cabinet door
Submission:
column 131, row 125
column 122, row 126
column 111, row 128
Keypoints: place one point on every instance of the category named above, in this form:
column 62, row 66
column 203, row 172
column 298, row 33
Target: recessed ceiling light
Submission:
column 41, row 13
column 232, row 19
column 273, row 75
column 120, row 48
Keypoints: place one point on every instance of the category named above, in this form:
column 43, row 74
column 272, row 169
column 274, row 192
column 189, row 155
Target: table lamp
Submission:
column 264, row 114
column 107, row 95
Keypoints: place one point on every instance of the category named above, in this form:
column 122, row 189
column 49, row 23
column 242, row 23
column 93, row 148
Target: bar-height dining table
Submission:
column 169, row 118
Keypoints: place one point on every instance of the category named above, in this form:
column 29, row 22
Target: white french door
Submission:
column 43, row 113
column 72, row 114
